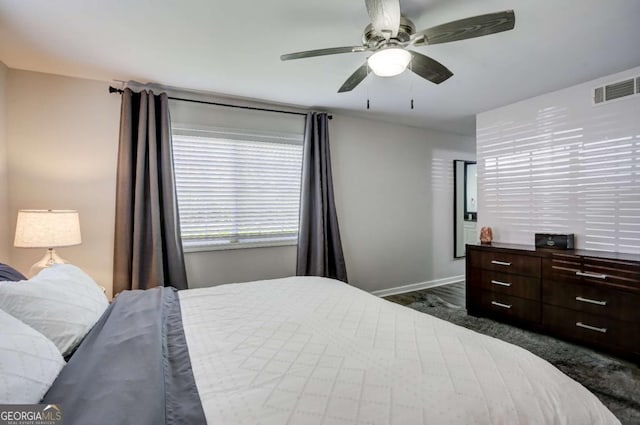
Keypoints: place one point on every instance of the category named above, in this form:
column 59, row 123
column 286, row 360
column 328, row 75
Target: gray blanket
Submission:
column 132, row 368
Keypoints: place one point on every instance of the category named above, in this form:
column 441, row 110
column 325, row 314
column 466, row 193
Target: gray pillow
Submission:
column 9, row 274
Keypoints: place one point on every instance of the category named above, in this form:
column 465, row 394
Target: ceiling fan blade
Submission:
column 428, row 68
column 475, row 26
column 385, row 16
column 355, row 79
column 322, row 52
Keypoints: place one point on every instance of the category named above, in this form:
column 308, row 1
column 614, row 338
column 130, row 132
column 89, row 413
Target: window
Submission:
column 237, row 188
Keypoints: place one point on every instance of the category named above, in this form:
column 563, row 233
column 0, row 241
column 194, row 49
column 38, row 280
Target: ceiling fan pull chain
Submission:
column 411, row 84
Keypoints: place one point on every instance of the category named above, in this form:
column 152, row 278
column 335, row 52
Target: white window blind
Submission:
column 543, row 176
column 237, row 188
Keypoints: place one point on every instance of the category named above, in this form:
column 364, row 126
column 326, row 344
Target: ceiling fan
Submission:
column 389, row 35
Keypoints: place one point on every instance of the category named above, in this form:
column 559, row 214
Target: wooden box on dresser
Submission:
column 587, row 297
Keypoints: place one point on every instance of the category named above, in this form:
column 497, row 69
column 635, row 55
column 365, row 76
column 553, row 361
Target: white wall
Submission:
column 394, row 194
column 62, row 150
column 557, row 163
column 5, row 236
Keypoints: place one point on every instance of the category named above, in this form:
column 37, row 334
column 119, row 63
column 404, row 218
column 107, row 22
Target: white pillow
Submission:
column 29, row 362
column 61, row 302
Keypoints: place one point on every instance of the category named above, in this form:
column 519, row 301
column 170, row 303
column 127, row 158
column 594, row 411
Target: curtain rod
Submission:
column 253, row 108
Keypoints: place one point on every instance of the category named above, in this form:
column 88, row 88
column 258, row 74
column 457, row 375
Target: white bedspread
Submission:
column 309, row 351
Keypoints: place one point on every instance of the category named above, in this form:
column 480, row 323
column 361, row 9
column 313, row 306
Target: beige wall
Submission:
column 4, row 176
column 62, row 149
column 209, row 268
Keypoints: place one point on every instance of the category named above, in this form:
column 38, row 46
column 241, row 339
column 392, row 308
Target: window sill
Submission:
column 237, row 245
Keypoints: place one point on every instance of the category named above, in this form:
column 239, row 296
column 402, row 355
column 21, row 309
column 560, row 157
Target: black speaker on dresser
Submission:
column 554, row 240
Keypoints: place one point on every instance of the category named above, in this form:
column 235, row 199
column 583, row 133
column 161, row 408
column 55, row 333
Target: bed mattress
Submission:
column 307, row 350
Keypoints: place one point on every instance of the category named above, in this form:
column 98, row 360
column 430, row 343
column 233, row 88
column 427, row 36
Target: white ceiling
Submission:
column 233, row 48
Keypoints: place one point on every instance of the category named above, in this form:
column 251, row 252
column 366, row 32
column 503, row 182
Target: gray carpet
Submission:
column 615, row 382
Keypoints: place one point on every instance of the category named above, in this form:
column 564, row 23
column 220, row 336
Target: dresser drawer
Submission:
column 505, row 283
column 575, row 269
column 614, row 272
column 502, row 305
column 592, row 299
column 590, row 328
column 504, row 262
column 562, row 268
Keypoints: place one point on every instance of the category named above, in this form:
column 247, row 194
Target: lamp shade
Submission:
column 389, row 61
column 47, row 228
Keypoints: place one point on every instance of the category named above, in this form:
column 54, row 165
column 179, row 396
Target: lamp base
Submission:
column 50, row 258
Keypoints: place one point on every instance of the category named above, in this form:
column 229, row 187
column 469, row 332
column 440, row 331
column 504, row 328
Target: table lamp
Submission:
column 47, row 229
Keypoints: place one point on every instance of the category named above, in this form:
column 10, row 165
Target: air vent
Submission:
column 616, row 90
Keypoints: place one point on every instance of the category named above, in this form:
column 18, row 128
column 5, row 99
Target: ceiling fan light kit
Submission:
column 390, row 35
column 389, row 61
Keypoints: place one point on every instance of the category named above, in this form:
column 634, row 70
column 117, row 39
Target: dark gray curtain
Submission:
column 148, row 249
column 319, row 246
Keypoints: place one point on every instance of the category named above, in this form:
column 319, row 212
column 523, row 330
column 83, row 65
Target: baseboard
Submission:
column 417, row 286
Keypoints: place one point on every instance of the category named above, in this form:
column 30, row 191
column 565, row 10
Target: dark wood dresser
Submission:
column 588, row 297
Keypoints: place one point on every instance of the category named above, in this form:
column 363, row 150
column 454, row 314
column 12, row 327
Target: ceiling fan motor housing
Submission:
column 373, row 38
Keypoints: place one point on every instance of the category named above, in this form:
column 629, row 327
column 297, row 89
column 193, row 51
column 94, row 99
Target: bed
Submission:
column 303, row 350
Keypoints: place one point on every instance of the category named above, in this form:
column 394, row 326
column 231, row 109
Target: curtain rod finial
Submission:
column 115, row 90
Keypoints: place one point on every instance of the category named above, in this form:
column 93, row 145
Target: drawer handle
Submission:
column 593, row 275
column 591, row 328
column 587, row 300
column 500, row 263
column 500, row 304
column 497, row 282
